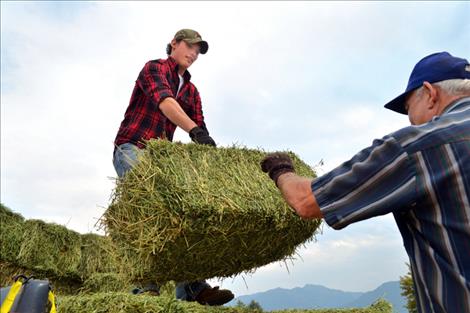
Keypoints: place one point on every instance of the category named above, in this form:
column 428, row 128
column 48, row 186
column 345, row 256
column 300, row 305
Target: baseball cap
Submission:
column 192, row 36
column 433, row 68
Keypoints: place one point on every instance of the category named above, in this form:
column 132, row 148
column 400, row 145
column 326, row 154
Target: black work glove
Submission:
column 201, row 136
column 276, row 164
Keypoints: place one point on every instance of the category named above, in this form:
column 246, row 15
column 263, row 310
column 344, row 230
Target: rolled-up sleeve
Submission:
column 154, row 82
column 376, row 181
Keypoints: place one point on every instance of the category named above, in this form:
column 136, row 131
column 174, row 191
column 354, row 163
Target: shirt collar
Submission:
column 174, row 67
column 457, row 105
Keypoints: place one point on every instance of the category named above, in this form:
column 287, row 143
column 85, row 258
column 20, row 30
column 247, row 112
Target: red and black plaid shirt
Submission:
column 143, row 119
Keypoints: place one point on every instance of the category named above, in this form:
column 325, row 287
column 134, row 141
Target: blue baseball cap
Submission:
column 433, row 68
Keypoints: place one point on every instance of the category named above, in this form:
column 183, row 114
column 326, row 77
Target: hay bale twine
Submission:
column 189, row 212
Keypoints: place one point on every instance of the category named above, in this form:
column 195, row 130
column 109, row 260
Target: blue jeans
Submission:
column 124, row 158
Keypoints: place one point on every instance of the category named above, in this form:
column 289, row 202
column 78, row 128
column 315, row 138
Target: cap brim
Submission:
column 398, row 104
column 202, row 44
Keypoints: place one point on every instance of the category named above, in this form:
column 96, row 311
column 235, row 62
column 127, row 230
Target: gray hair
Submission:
column 453, row 87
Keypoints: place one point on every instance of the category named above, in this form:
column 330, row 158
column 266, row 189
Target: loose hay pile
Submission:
column 189, row 212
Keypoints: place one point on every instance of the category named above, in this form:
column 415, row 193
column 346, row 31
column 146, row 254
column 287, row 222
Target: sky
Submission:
column 310, row 77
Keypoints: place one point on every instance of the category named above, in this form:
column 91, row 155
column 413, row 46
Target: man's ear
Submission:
column 432, row 94
column 173, row 43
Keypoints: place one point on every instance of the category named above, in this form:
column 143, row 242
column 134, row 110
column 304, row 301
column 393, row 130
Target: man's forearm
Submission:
column 297, row 192
column 173, row 111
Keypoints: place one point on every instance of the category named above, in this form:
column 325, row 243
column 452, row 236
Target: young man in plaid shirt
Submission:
column 164, row 98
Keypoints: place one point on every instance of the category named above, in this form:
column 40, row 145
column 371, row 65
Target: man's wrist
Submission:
column 281, row 169
column 283, row 178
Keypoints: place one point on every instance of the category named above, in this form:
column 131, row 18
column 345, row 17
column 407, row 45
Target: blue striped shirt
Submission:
column 421, row 174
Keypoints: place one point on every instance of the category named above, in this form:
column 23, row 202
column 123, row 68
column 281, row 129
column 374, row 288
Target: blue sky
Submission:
column 311, row 77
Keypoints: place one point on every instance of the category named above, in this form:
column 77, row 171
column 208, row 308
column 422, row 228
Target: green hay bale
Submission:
column 128, row 303
column 117, row 303
column 8, row 216
column 50, row 248
column 8, row 271
column 61, row 286
column 189, row 212
column 106, row 282
column 11, row 234
column 98, row 255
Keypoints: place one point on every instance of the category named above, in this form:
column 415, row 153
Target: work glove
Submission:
column 201, row 136
column 276, row 164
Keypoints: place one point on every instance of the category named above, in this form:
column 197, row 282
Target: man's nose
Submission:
column 194, row 53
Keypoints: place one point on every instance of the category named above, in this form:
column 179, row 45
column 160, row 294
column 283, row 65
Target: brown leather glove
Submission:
column 276, row 164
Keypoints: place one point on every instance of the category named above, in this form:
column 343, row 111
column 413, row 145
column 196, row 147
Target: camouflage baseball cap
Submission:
column 192, row 36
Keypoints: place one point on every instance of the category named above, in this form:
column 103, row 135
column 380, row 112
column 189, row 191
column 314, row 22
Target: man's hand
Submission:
column 276, row 164
column 201, row 136
column 296, row 190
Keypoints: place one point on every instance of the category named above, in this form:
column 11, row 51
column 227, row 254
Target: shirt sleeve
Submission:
column 154, row 83
column 198, row 116
column 378, row 180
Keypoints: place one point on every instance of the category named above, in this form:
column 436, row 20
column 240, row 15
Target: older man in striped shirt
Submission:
column 420, row 173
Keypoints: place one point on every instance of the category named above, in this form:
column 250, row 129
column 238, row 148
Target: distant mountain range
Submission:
column 316, row 297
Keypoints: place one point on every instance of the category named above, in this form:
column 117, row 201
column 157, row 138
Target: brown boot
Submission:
column 214, row 296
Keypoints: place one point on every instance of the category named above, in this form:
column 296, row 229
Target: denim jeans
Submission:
column 124, row 158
